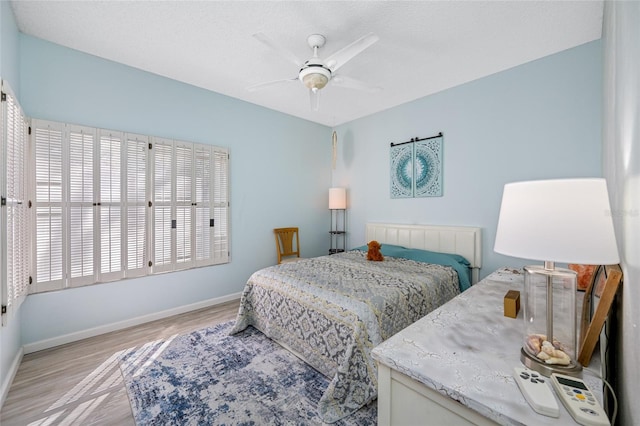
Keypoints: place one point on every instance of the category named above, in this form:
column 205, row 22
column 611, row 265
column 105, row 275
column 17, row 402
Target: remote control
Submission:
column 579, row 400
column 537, row 392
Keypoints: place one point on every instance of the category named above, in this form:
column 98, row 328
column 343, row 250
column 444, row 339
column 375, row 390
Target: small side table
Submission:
column 455, row 365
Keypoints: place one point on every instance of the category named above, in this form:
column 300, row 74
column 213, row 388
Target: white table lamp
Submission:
column 562, row 220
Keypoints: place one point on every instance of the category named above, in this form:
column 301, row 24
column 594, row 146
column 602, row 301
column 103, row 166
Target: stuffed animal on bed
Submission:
column 374, row 251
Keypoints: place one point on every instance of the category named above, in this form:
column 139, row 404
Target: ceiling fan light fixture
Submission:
column 316, row 73
column 315, row 78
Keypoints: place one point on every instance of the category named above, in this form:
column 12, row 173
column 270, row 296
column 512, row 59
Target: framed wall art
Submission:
column 416, row 168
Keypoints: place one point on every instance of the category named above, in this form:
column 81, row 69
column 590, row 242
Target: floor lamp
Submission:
column 337, row 203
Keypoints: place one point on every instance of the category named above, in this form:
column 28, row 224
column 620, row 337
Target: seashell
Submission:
column 534, row 343
column 550, row 355
column 543, row 356
column 560, row 361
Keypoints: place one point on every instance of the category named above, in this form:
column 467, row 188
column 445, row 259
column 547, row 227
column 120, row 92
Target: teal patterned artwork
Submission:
column 416, row 168
column 402, row 171
column 428, row 168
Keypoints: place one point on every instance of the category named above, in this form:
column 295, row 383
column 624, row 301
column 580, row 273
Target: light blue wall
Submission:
column 535, row 121
column 10, row 342
column 280, row 174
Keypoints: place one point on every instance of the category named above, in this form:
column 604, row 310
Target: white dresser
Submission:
column 454, row 366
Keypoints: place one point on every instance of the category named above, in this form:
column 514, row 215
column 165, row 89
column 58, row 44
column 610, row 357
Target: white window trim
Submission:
column 216, row 199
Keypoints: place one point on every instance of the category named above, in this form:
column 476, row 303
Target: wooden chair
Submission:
column 287, row 244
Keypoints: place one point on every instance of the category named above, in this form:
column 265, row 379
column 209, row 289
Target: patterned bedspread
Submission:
column 333, row 310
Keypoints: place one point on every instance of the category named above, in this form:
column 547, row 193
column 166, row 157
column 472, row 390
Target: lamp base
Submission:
column 573, row 369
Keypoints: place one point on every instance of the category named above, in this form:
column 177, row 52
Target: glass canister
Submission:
column 550, row 341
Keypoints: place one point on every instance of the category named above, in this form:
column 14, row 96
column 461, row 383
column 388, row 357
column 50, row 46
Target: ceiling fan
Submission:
column 316, row 72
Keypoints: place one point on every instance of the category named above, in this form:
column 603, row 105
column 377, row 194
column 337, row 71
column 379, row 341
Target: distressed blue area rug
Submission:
column 210, row 378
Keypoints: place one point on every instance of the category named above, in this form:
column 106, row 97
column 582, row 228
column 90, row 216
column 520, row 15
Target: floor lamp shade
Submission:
column 337, row 198
column 562, row 220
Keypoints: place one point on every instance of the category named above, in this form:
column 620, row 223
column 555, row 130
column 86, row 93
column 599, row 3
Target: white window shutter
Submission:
column 110, row 206
column 163, row 188
column 82, row 233
column 184, row 205
column 50, row 237
column 203, row 196
column 15, row 215
column 221, row 238
column 190, row 205
column 136, row 183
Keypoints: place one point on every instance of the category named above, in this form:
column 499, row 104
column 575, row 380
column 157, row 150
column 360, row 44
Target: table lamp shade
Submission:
column 337, row 198
column 562, row 220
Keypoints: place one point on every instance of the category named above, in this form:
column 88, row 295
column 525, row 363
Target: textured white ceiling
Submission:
column 424, row 46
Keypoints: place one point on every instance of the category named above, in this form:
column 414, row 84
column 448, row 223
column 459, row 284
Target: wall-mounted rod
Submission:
column 439, row 135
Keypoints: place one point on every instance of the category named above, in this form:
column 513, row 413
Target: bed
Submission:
column 331, row 311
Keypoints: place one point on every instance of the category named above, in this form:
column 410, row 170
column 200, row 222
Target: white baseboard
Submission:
column 11, row 374
column 96, row 331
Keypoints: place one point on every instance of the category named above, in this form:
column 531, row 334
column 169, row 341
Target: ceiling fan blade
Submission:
column 347, row 53
column 283, row 51
column 352, row 83
column 314, row 98
column 259, row 86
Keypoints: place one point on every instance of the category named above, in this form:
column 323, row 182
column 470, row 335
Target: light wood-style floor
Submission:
column 80, row 383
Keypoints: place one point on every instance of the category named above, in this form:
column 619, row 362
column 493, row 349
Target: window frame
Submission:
column 117, row 205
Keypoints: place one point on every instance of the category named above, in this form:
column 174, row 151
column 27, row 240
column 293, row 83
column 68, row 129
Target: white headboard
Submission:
column 463, row 240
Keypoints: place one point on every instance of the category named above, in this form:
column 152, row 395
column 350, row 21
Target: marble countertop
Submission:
column 467, row 349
